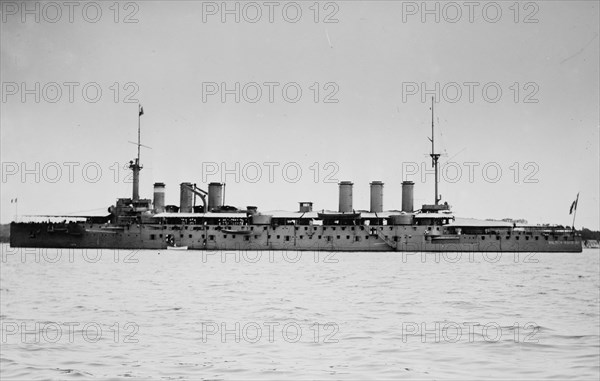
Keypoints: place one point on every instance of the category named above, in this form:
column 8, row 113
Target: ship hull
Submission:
column 411, row 238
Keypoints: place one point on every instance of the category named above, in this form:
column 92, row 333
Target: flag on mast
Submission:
column 574, row 205
column 141, row 110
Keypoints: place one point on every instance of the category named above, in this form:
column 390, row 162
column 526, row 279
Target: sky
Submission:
column 282, row 100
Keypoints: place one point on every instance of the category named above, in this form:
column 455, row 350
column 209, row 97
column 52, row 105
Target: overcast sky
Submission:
column 518, row 93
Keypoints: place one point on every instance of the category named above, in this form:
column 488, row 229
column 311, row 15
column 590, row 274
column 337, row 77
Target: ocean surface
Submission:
column 89, row 314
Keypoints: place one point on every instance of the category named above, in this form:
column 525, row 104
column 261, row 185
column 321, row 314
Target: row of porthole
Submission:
column 516, row 238
column 362, row 228
column 288, row 238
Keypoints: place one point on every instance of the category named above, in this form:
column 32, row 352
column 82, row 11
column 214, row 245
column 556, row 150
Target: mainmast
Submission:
column 135, row 166
column 434, row 156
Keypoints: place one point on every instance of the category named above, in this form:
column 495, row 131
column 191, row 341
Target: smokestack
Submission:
column 376, row 196
column 407, row 196
column 159, row 197
column 186, row 198
column 346, row 196
column 215, row 196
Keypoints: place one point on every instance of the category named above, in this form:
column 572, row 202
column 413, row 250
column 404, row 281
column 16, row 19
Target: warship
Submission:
column 138, row 223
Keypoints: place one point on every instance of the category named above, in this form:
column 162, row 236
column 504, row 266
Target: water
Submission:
column 173, row 315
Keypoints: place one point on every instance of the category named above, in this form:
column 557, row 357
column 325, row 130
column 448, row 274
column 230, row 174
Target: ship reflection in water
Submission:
column 176, row 315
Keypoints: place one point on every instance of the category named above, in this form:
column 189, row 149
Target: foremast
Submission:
column 434, row 156
column 135, row 166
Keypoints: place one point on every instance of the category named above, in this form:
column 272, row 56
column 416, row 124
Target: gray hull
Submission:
column 311, row 238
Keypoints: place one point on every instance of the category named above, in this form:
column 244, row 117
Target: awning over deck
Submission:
column 473, row 222
column 201, row 215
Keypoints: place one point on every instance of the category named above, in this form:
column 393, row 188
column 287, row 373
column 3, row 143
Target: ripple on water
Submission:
column 370, row 297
